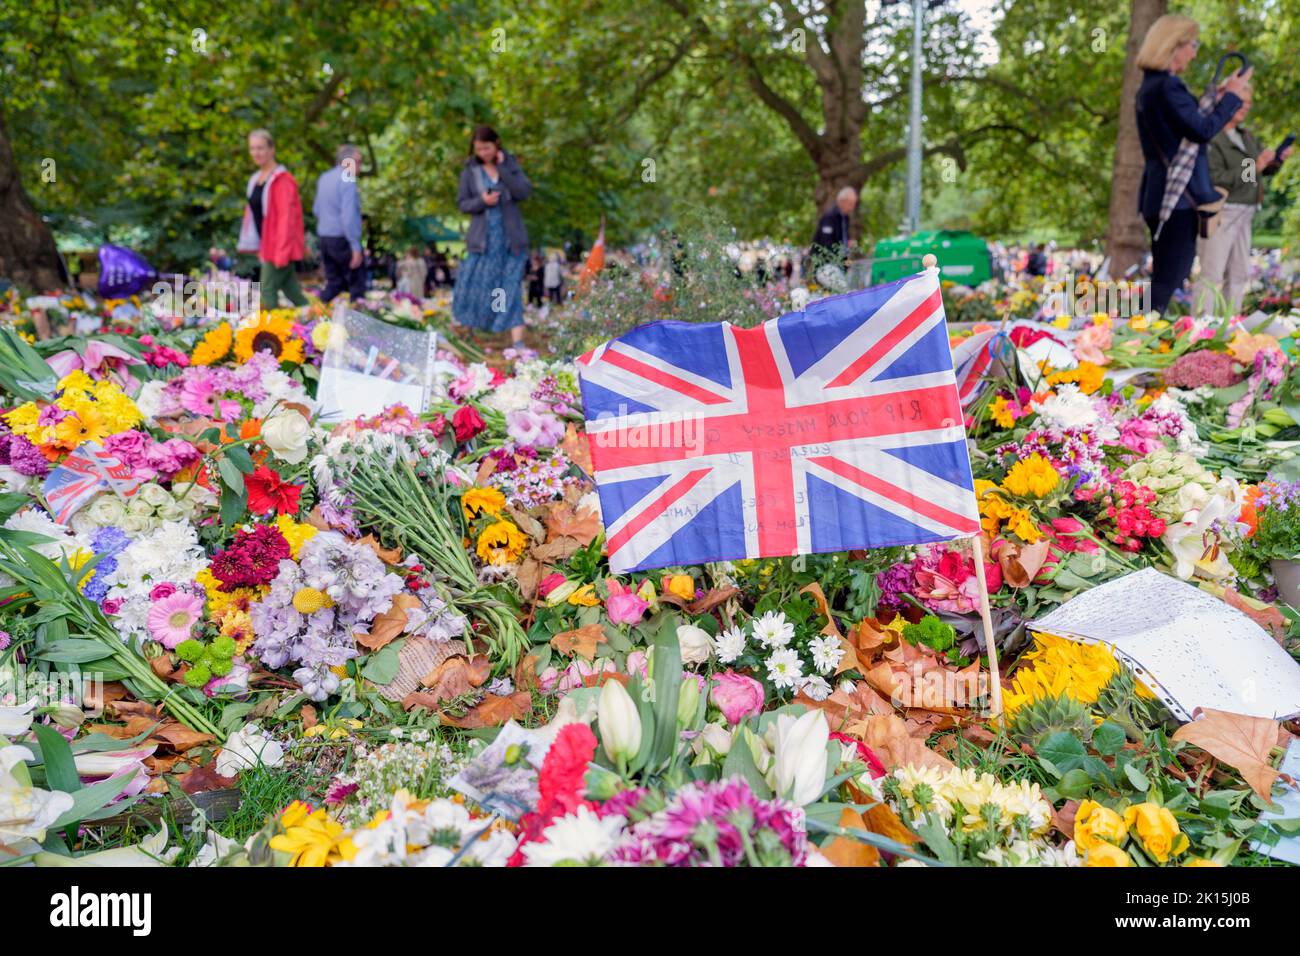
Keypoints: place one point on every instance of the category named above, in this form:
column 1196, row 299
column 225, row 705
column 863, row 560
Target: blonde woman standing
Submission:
column 1167, row 116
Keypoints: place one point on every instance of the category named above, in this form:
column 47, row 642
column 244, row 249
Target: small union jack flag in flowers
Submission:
column 831, row 429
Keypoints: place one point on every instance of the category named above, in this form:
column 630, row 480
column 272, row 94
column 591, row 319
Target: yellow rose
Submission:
column 1095, row 824
column 683, row 585
column 1156, row 829
column 1103, row 854
column 1198, row 861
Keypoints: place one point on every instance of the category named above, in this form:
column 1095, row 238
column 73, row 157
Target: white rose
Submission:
column 170, row 510
column 139, row 506
column 154, row 493
column 107, row 509
column 286, row 435
column 135, row 524
column 83, row 524
column 696, row 645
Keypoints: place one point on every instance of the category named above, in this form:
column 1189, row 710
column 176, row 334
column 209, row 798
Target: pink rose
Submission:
column 624, row 605
column 737, row 696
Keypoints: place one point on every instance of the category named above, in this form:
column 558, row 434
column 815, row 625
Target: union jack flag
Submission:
column 972, row 358
column 85, row 473
column 832, row 429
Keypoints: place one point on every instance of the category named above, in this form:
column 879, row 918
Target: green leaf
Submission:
column 232, row 504
column 75, row 650
column 740, row 763
column 383, row 665
column 56, row 755
column 231, row 476
column 89, row 799
column 239, row 456
column 1074, row 784
column 1108, row 739
column 1137, row 778
column 668, row 685
column 1064, row 750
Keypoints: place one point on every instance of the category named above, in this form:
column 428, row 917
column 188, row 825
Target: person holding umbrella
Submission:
column 1174, row 128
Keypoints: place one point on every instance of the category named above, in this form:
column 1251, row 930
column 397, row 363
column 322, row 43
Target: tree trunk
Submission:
column 28, row 256
column 1126, row 233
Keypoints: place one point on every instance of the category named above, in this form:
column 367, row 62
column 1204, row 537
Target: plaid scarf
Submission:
column 1179, row 172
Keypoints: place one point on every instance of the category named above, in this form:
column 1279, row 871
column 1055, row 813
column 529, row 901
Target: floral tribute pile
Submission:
column 397, row 641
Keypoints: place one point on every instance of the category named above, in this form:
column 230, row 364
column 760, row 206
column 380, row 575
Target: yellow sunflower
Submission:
column 270, row 333
column 482, row 501
column 214, row 346
column 501, row 543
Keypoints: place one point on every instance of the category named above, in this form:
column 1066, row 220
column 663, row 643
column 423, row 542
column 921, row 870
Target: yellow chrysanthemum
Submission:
column 214, row 346
column 76, row 381
column 310, row 837
column 1032, row 476
column 238, row 626
column 1001, row 411
column 24, row 420
column 1021, row 523
column 501, row 543
column 1088, row 376
column 482, row 501
column 272, row 332
column 297, row 533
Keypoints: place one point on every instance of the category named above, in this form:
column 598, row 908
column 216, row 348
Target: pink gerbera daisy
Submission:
column 172, row 618
column 199, row 397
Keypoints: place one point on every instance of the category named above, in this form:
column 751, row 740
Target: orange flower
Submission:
column 1249, row 514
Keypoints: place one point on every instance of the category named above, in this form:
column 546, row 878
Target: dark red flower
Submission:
column 467, row 423
column 267, row 492
column 252, row 560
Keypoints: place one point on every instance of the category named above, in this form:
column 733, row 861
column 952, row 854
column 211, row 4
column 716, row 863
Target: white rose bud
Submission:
column 619, row 722
column 154, row 493
column 695, row 643
column 139, row 506
column 286, row 435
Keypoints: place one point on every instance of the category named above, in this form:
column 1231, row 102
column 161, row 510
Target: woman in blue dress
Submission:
column 489, row 285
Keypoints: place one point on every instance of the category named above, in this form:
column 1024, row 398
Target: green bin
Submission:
column 963, row 256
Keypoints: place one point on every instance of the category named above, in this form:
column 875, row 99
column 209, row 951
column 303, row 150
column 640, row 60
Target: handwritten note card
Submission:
column 1189, row 647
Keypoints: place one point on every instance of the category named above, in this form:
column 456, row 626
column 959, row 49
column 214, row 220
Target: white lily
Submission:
column 1195, row 544
column 16, row 720
column 111, row 763
column 801, row 758
column 149, row 852
column 25, row 811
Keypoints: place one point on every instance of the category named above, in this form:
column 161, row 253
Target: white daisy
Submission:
column 730, row 644
column 773, row 630
column 784, row 669
column 580, row 837
column 826, row 653
column 818, row 688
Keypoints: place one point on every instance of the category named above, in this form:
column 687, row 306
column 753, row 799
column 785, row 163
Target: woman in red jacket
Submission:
column 272, row 225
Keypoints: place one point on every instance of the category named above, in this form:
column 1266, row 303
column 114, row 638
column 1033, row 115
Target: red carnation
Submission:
column 267, row 492
column 467, row 422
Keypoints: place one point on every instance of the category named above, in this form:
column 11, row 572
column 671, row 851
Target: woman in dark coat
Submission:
column 1167, row 114
column 489, row 285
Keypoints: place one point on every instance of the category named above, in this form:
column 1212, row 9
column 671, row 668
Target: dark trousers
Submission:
column 336, row 257
column 1172, row 255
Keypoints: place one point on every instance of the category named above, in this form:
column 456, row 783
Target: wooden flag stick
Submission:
column 986, row 617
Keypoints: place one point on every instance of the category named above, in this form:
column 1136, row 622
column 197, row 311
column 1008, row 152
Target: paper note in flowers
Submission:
column 370, row 364
column 82, row 475
column 1188, row 646
column 1287, row 847
column 831, row 429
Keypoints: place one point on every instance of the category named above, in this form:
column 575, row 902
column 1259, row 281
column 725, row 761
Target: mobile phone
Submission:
column 1286, row 142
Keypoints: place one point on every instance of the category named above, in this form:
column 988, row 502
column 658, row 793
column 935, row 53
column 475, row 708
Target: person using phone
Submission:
column 1237, row 165
column 489, row 286
column 1167, row 115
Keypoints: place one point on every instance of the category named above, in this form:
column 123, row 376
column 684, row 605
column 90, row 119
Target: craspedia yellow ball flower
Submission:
column 272, row 332
column 501, row 543
column 310, row 600
column 482, row 501
column 214, row 346
column 1032, row 476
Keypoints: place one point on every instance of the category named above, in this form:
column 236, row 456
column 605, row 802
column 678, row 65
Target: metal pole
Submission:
column 913, row 222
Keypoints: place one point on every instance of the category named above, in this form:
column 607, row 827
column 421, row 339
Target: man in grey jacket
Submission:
column 338, row 225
